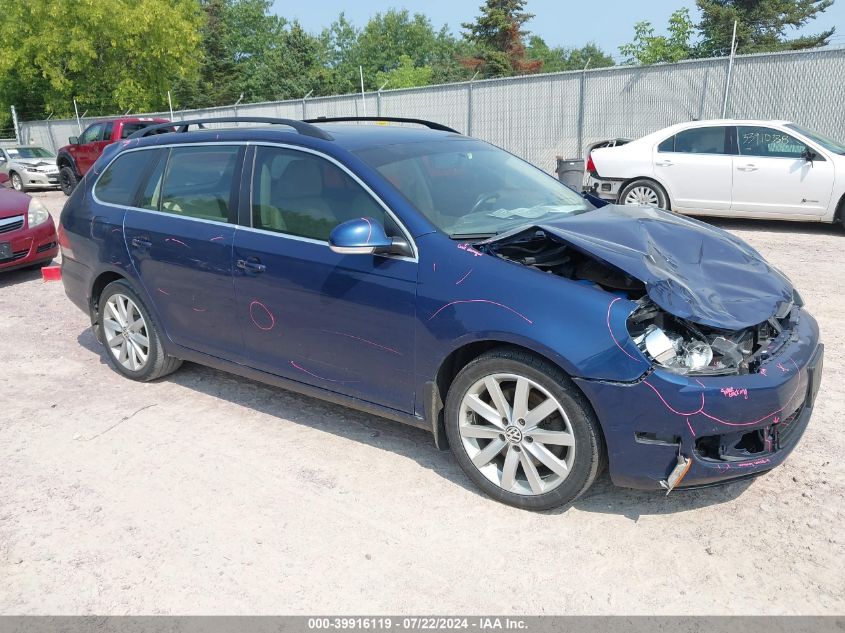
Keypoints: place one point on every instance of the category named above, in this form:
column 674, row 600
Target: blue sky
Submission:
column 560, row 22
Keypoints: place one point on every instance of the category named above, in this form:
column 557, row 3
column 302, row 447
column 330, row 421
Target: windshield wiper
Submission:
column 471, row 236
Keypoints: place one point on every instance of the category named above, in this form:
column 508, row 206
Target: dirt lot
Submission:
column 207, row 493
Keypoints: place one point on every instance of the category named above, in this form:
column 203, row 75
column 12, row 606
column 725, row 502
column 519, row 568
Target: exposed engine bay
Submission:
column 676, row 344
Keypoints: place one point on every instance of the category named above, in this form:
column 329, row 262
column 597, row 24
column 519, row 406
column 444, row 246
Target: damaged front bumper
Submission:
column 728, row 426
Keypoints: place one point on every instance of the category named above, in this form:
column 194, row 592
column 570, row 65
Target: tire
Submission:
column 126, row 353
column 17, row 181
column 570, row 431
column 645, row 192
column 68, row 180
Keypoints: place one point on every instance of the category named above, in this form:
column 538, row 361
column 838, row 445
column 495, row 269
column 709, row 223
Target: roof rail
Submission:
column 303, row 127
column 393, row 119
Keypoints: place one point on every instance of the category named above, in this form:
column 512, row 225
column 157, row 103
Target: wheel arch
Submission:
column 97, row 286
column 451, row 366
column 66, row 160
column 839, row 214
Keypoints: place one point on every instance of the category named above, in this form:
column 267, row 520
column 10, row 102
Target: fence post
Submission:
column 469, row 104
column 16, row 126
column 50, row 133
column 582, row 89
column 378, row 99
column 730, row 71
column 303, row 104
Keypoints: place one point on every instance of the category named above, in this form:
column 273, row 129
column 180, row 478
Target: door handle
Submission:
column 664, row 163
column 251, row 265
column 141, row 242
column 747, row 168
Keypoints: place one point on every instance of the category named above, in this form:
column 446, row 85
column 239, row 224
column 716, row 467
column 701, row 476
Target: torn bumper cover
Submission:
column 731, row 426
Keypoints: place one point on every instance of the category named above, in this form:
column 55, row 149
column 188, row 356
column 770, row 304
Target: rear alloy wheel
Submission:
column 17, row 182
column 644, row 193
column 67, row 180
column 126, row 332
column 130, row 336
column 522, row 431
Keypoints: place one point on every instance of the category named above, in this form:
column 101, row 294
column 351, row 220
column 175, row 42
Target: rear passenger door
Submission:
column 340, row 322
column 696, row 167
column 180, row 241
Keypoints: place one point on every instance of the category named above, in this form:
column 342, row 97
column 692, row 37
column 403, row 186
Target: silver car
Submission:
column 29, row 166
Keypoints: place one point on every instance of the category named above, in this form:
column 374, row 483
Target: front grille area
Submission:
column 786, row 428
column 7, row 225
column 15, row 257
column 45, row 247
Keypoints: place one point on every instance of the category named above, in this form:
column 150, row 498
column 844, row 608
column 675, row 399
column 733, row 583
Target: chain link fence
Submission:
column 540, row 117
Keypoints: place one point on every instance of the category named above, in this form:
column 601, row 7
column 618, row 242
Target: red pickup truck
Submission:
column 76, row 158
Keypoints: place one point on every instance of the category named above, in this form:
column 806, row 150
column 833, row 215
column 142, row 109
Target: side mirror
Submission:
column 73, row 140
column 361, row 236
column 808, row 155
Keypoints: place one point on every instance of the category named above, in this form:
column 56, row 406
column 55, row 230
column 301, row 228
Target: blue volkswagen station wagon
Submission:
column 414, row 273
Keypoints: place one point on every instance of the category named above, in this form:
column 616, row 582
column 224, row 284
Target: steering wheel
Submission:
column 484, row 198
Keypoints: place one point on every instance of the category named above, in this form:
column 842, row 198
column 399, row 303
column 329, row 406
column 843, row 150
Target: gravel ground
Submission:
column 208, row 493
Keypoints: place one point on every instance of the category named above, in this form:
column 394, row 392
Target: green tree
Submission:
column 248, row 50
column 761, row 25
column 648, row 48
column 560, row 58
column 338, row 42
column 405, row 75
column 380, row 46
column 499, row 39
column 107, row 54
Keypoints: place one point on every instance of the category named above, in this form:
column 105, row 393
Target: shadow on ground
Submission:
column 19, row 276
column 776, row 226
column 603, row 497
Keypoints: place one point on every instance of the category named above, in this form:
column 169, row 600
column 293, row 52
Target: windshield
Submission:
column 468, row 188
column 828, row 144
column 29, row 152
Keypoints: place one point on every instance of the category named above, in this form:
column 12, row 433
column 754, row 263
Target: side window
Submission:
column 199, row 181
column 119, row 182
column 701, row 140
column 302, row 194
column 107, row 130
column 130, row 128
column 151, row 194
column 667, row 146
column 766, row 141
column 92, row 133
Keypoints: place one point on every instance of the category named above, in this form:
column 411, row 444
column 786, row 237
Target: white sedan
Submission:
column 731, row 168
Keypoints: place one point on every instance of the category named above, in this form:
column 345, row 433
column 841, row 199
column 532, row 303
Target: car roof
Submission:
column 673, row 129
column 347, row 136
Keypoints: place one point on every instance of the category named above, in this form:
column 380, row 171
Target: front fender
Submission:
column 63, row 156
column 465, row 296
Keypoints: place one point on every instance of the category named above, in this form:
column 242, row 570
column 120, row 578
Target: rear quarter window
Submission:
column 119, row 182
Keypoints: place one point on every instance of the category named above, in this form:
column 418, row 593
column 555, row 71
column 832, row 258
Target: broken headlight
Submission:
column 687, row 348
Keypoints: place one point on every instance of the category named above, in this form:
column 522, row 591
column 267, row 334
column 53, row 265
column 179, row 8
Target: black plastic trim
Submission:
column 303, row 127
column 392, row 119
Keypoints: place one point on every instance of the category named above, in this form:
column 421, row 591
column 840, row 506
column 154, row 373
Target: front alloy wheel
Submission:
column 17, row 182
column 522, row 431
column 517, row 434
column 126, row 332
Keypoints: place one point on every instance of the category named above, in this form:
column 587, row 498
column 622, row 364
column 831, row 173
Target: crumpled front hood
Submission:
column 35, row 162
column 691, row 269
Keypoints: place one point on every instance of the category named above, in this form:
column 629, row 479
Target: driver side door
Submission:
column 85, row 152
column 340, row 322
column 773, row 178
